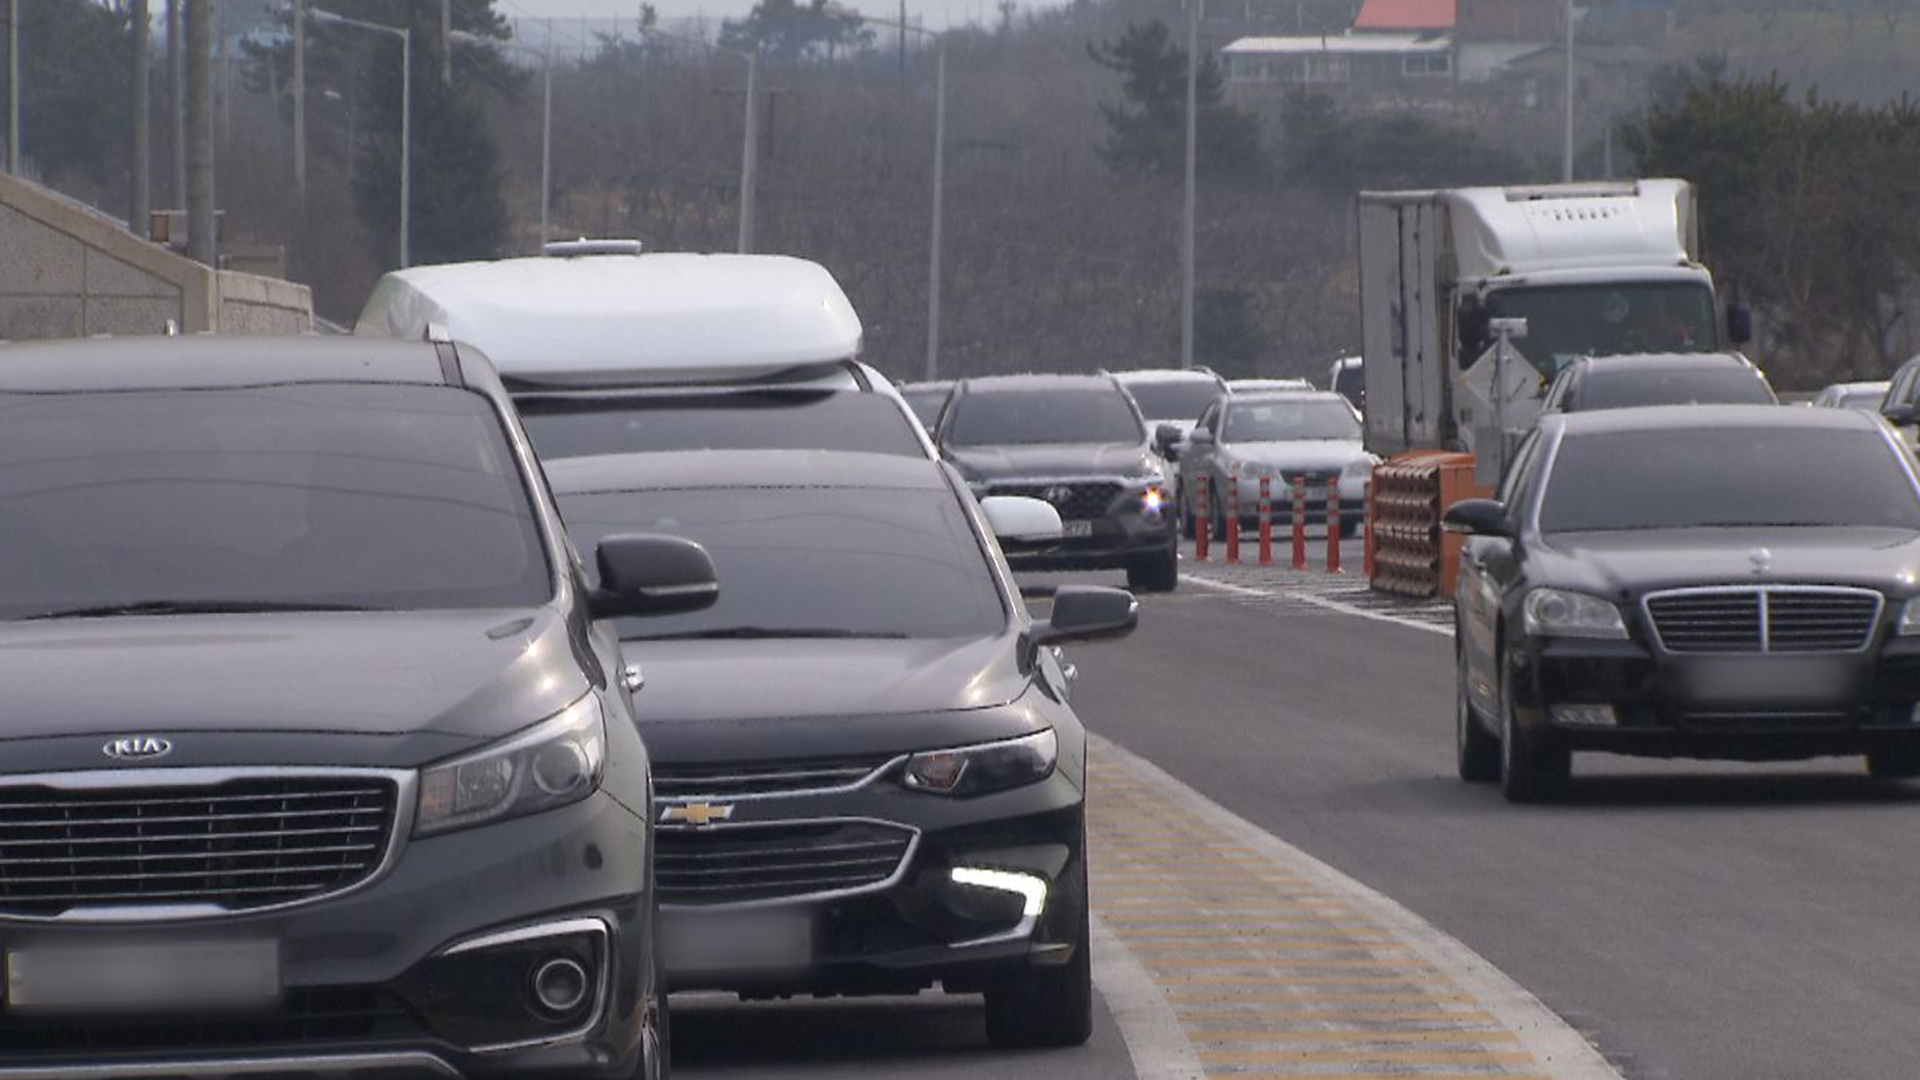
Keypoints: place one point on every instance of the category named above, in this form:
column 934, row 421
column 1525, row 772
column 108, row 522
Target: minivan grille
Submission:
column 1797, row 619
column 241, row 845
column 738, row 778
column 734, row 864
column 1076, row 500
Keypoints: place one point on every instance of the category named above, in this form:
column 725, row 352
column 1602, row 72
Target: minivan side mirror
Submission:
column 1023, row 524
column 1088, row 613
column 1479, row 517
column 1739, row 324
column 643, row 574
column 1166, row 439
column 1200, row 437
column 1901, row 413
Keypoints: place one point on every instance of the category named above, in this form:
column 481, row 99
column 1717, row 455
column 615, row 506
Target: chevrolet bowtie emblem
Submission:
column 696, row 814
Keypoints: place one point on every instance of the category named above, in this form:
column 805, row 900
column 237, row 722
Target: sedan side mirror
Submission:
column 652, row 575
column 1166, row 439
column 1022, row 524
column 1088, row 613
column 1901, row 413
column 1739, row 324
column 1479, row 517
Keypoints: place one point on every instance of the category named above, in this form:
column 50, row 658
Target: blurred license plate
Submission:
column 743, row 941
column 1076, row 529
column 145, row 976
column 1769, row 679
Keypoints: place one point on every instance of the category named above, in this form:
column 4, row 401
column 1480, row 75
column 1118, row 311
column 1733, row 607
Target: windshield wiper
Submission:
column 191, row 607
column 748, row 633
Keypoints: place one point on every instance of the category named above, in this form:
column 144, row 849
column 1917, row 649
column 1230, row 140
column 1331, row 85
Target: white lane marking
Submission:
column 1148, row 1025
column 1556, row 1046
column 1316, row 601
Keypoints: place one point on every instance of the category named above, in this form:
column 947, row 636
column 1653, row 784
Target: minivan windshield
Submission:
column 584, row 424
column 1727, row 476
column 1015, row 417
column 1280, row 421
column 813, row 561
column 288, row 497
column 1173, row 399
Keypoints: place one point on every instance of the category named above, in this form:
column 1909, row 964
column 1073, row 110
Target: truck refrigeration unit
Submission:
column 1473, row 298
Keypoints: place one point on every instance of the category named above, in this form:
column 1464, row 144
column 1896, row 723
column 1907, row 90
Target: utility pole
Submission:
column 13, row 87
column 750, row 152
column 446, row 42
column 177, row 95
column 140, row 194
column 226, row 69
column 939, row 197
column 1193, row 132
column 300, row 101
column 1566, row 148
column 903, row 40
column 199, row 63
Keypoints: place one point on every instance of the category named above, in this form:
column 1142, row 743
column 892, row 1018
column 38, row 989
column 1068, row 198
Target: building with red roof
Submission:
column 1424, row 16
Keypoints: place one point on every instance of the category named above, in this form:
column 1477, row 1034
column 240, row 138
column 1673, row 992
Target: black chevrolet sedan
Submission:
column 1706, row 581
column 868, row 777
column 314, row 759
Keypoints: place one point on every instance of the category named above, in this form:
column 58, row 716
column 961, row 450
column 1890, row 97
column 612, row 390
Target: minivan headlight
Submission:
column 985, row 767
column 553, row 763
column 1564, row 613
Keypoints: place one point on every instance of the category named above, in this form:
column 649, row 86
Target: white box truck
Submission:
column 1599, row 269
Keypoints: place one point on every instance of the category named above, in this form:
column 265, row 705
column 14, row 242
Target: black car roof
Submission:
column 706, row 469
column 1682, row 417
column 209, row 362
column 1605, row 366
column 1102, row 383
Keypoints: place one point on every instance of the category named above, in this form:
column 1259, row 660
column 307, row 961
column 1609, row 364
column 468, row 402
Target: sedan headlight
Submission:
column 1358, row 469
column 1563, row 613
column 553, row 763
column 984, row 768
column 1909, row 624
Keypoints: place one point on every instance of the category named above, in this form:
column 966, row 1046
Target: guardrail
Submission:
column 1411, row 555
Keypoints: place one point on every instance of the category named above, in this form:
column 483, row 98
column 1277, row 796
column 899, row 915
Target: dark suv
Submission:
column 316, row 759
column 1078, row 442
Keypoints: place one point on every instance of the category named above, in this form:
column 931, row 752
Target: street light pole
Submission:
column 300, row 100
column 140, row 194
column 939, row 195
column 1187, row 223
column 405, row 34
column 750, row 153
column 1566, row 148
column 13, row 87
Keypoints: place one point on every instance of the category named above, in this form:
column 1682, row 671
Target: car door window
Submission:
column 1514, row 483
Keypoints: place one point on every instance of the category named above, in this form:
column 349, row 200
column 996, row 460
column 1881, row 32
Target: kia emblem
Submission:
column 137, row 748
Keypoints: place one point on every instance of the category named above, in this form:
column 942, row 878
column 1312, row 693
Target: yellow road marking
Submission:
column 1384, row 1057
column 1283, row 1016
column 1353, row 1036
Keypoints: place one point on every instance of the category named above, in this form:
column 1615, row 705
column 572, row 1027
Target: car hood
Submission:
column 1630, row 564
column 1050, row 460
column 439, row 679
column 1309, row 455
column 715, row 700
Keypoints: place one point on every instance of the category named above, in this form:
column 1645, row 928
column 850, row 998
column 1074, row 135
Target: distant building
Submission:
column 1335, row 61
column 1407, row 16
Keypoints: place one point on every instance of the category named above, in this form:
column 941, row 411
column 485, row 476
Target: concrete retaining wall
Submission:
column 67, row 270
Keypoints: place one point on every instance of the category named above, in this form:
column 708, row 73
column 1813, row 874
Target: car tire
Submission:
column 1897, row 761
column 1155, row 573
column 1188, row 515
column 1476, row 752
column 1534, row 767
column 656, row 1049
column 1049, row 1007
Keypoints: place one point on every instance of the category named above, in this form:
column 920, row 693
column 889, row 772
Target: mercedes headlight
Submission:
column 553, row 763
column 985, row 767
column 1563, row 613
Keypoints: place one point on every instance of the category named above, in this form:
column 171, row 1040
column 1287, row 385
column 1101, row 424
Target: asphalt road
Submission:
column 1700, row 921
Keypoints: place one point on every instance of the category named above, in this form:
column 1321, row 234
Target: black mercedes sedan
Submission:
column 868, row 778
column 1080, row 443
column 315, row 756
column 1713, row 581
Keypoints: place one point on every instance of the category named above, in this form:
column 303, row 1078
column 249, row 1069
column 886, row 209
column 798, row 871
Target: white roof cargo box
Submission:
column 626, row 318
column 1514, row 230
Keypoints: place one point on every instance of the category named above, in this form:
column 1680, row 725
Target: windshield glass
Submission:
column 1567, row 322
column 927, row 402
column 578, row 425
column 866, row 562
column 278, row 496
column 1181, row 399
column 1870, row 400
column 1013, row 417
column 1603, row 389
column 1717, row 476
column 1275, row 421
